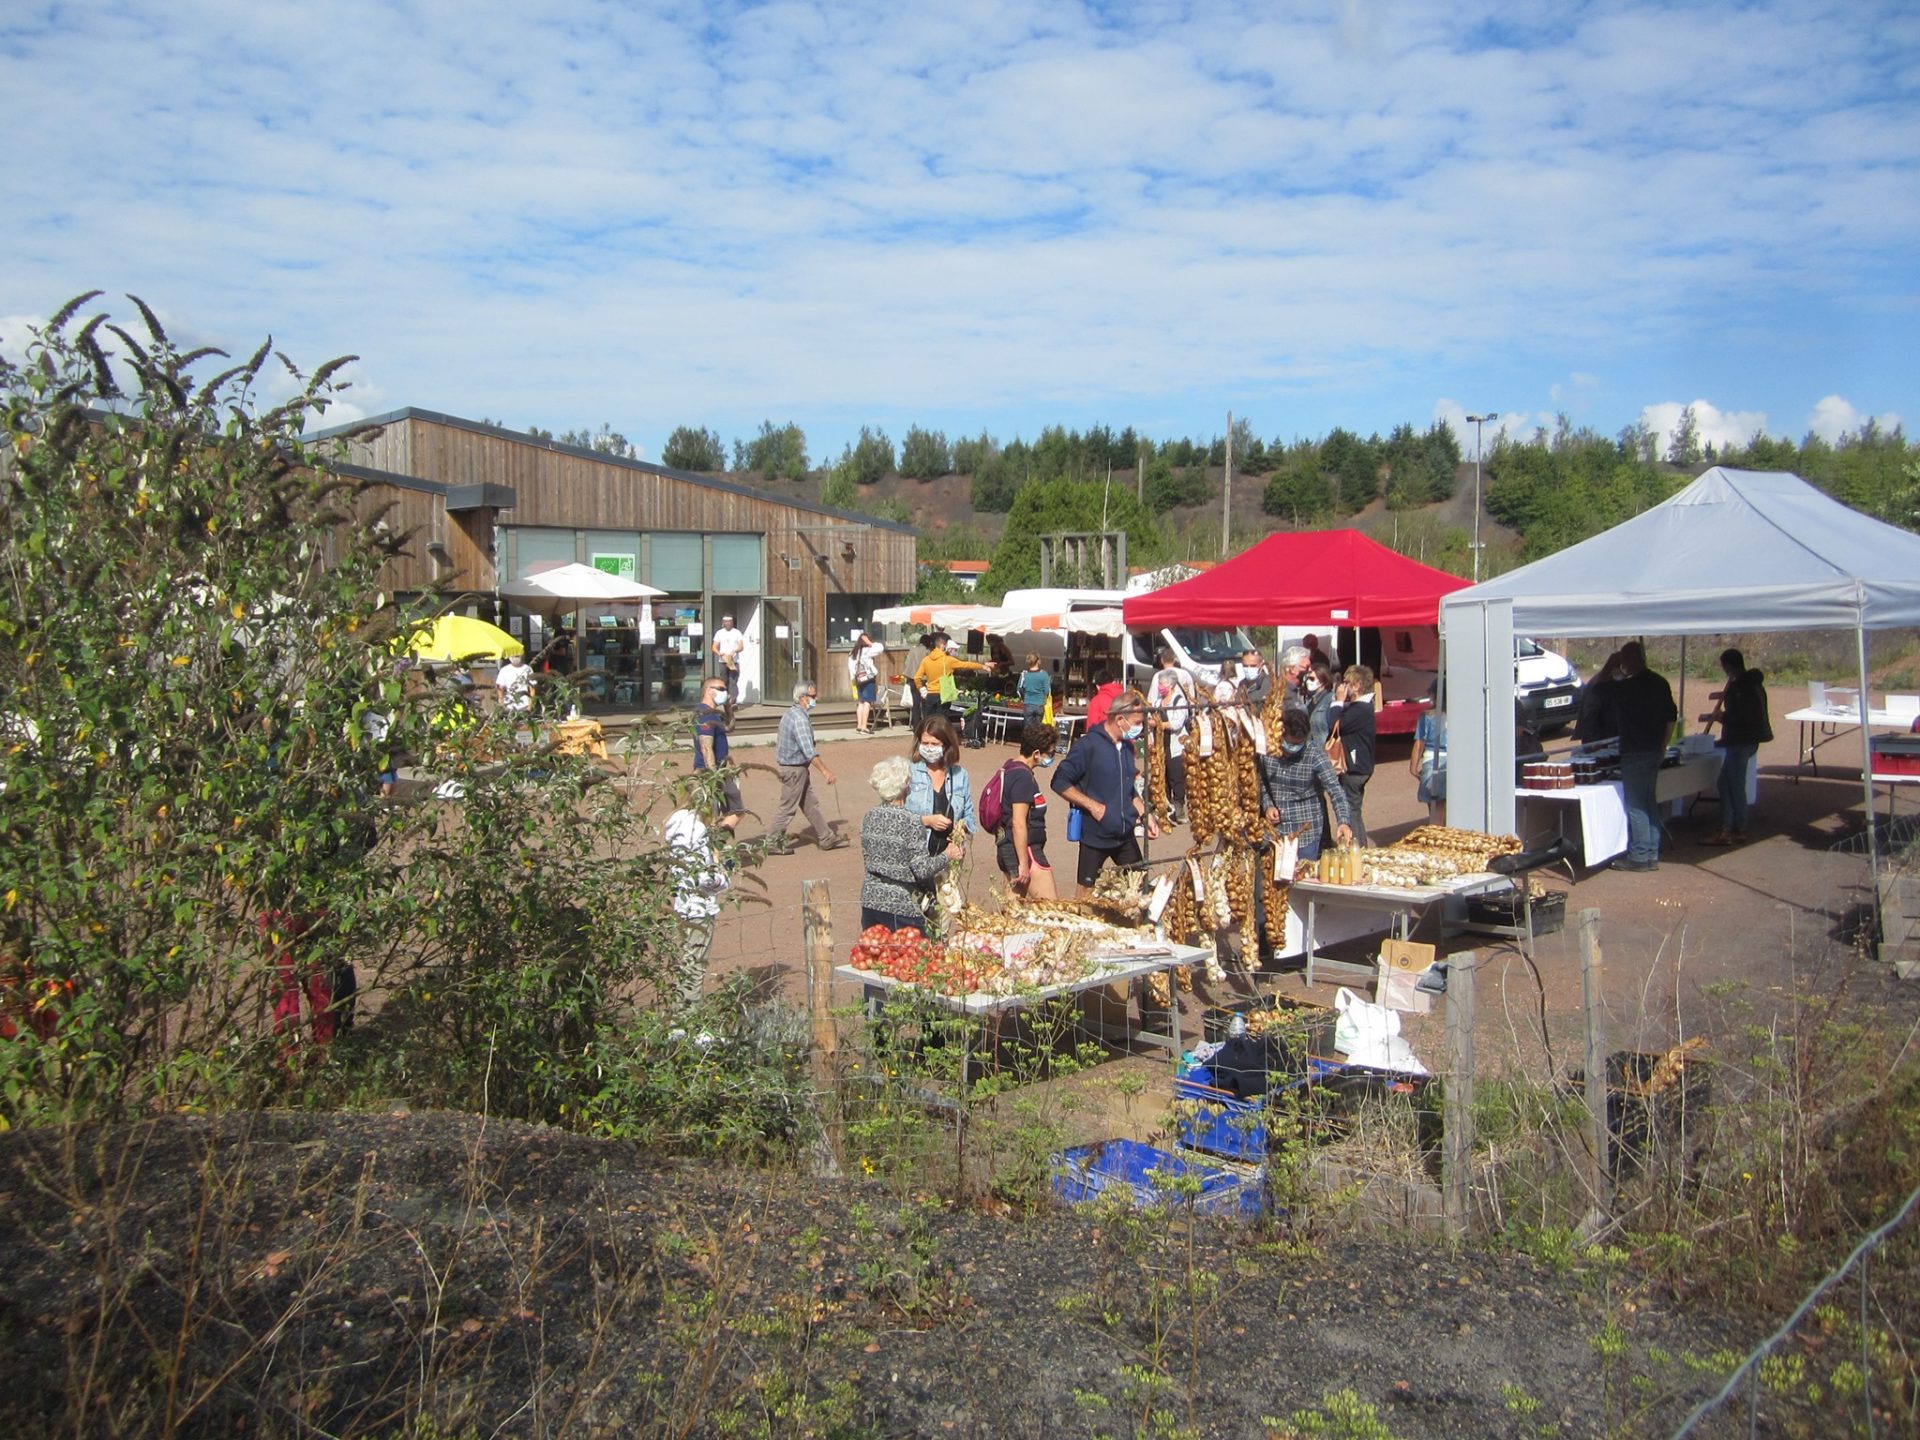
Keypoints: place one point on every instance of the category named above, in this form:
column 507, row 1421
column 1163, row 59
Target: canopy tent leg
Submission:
column 1866, row 775
column 1680, row 722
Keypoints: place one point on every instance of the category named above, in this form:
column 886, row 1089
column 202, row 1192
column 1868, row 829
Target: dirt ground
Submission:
column 385, row 1275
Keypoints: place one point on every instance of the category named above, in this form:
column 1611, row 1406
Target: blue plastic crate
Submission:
column 1086, row 1171
column 1214, row 1120
column 1220, row 1123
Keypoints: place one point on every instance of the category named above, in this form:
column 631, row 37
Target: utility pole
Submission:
column 1140, row 473
column 1226, row 495
column 1478, row 421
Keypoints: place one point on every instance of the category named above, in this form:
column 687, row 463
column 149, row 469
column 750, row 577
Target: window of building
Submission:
column 736, row 564
column 678, row 565
column 848, row 613
column 541, row 550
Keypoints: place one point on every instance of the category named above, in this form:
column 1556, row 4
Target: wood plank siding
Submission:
column 809, row 551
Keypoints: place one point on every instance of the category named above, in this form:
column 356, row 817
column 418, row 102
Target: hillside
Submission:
column 947, row 503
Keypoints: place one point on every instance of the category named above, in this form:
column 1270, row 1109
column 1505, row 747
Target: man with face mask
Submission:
column 796, row 758
column 1097, row 778
column 1295, row 662
column 1255, row 683
column 1294, row 783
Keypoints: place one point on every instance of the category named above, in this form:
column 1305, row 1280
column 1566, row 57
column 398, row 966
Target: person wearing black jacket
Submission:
column 1353, row 716
column 1744, row 727
column 1641, row 701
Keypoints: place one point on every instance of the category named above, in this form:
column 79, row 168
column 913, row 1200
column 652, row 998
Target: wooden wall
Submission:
column 565, row 488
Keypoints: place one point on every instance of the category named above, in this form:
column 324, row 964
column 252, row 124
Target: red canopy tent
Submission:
column 1311, row 577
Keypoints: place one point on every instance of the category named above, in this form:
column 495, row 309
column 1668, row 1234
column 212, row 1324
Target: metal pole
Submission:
column 1226, row 496
column 1866, row 768
column 1479, row 449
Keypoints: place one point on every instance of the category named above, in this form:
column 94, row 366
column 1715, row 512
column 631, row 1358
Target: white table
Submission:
column 1328, row 914
column 1164, row 956
column 1823, row 724
column 1600, row 811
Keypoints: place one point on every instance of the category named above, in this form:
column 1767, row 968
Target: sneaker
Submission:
column 1636, row 867
column 838, row 842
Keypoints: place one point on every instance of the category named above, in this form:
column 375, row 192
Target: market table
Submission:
column 1823, row 724
column 1332, row 913
column 1600, row 811
column 1132, row 966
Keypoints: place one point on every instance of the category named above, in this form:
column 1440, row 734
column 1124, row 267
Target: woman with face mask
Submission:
column 1296, row 782
column 1022, row 847
column 938, row 790
column 1318, row 682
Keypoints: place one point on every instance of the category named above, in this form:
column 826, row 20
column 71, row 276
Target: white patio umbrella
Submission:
column 555, row 592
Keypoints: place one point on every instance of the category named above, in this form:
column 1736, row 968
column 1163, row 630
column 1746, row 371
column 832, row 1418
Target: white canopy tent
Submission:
column 1737, row 550
column 564, row 588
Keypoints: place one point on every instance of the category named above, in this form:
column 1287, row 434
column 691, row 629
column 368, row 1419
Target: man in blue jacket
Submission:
column 1097, row 779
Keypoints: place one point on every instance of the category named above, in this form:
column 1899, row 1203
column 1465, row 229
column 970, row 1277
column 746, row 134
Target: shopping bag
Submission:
column 1369, row 1034
column 1046, row 715
column 1337, row 750
column 949, row 689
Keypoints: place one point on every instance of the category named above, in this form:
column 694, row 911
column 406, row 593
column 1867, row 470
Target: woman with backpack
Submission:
column 1014, row 806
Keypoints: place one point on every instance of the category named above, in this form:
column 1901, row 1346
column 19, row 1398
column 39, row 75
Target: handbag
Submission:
column 949, row 689
column 1337, row 750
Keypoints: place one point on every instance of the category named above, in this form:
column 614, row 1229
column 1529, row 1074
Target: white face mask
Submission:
column 933, row 754
column 1312, row 685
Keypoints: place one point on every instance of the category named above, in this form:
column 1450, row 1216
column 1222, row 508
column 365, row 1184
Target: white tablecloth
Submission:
column 1602, row 809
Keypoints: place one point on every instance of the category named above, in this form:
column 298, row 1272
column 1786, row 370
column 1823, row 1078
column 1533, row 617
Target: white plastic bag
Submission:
column 1369, row 1034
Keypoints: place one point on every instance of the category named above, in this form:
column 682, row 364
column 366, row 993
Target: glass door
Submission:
column 781, row 651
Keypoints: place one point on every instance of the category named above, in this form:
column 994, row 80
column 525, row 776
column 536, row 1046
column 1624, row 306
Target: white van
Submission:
column 1199, row 649
column 1545, row 684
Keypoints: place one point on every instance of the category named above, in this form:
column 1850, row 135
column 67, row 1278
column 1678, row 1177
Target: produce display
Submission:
column 1030, row 945
column 1429, row 855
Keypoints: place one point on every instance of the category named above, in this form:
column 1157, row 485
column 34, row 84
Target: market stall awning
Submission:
column 1108, row 621
column 1312, row 577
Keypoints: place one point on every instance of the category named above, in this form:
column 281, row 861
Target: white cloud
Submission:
column 584, row 214
column 1722, row 429
column 1835, row 417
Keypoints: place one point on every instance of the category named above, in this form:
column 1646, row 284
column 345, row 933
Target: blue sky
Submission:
column 996, row 215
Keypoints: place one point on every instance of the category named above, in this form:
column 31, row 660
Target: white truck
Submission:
column 1406, row 658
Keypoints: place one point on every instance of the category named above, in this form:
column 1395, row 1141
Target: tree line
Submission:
column 1552, row 487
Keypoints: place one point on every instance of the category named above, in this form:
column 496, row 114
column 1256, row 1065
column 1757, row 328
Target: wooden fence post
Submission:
column 1456, row 1156
column 1601, row 1174
column 822, row 1054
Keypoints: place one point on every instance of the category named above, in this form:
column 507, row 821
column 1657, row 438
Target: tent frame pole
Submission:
column 1866, row 770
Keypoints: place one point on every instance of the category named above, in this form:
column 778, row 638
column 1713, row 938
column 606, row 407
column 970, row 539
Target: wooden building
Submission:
column 490, row 505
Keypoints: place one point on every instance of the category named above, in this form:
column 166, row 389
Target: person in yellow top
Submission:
column 935, row 666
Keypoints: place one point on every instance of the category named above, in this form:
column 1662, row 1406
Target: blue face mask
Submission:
column 1133, row 732
column 1042, row 762
column 1291, row 751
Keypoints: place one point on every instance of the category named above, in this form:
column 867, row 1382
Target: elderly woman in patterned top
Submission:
column 893, row 846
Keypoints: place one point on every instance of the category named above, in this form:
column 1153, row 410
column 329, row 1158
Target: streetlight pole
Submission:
column 1478, row 421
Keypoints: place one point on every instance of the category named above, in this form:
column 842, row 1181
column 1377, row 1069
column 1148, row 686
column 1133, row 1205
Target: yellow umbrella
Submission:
column 452, row 638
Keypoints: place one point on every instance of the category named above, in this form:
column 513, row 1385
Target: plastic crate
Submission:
column 1313, row 1022
column 1213, row 1120
column 1339, row 1090
column 1087, row 1171
column 1216, row 1121
column 1504, row 909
